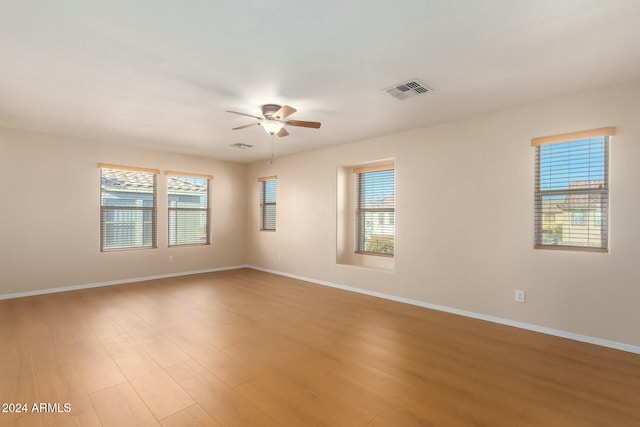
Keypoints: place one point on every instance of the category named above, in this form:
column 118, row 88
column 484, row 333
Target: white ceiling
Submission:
column 160, row 74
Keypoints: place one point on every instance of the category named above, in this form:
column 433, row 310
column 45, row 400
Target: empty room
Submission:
column 407, row 213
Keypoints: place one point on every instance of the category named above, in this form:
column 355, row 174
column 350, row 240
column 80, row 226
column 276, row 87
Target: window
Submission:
column 189, row 213
column 578, row 217
column 268, row 192
column 572, row 185
column 128, row 214
column 375, row 210
column 597, row 218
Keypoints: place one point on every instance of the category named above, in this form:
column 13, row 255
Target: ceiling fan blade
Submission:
column 283, row 132
column 283, row 112
column 245, row 126
column 243, row 114
column 304, row 124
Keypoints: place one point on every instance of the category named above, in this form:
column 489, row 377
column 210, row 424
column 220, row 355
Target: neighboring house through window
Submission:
column 189, row 210
column 268, row 192
column 375, row 210
column 128, row 207
column 572, row 190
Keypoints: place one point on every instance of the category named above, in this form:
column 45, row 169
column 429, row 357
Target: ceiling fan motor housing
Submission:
column 269, row 110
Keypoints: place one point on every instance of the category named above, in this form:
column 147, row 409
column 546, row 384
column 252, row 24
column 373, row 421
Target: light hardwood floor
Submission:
column 244, row 347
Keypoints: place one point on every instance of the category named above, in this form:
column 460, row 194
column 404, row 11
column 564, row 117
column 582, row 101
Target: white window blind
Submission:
column 189, row 213
column 572, row 191
column 268, row 193
column 375, row 210
column 128, row 210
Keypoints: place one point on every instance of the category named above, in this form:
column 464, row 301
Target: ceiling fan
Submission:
column 273, row 119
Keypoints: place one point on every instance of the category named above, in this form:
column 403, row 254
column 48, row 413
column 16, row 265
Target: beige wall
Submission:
column 464, row 209
column 50, row 214
column 464, row 218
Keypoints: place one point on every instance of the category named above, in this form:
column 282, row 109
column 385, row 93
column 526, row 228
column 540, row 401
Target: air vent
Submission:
column 407, row 89
column 241, row 146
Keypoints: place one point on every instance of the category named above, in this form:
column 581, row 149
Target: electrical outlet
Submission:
column 520, row 296
column 170, row 258
column 279, row 257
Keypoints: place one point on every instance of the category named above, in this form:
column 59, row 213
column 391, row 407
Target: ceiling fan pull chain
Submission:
column 272, row 149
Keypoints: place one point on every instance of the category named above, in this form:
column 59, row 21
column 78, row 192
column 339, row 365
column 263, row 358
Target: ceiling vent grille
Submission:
column 241, row 146
column 408, row 89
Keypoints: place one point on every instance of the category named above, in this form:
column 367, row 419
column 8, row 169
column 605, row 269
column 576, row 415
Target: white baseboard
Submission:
column 542, row 329
column 116, row 282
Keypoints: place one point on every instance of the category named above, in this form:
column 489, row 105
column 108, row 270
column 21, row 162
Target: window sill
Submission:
column 374, row 254
column 368, row 261
column 368, row 268
column 570, row 248
column 189, row 245
column 132, row 248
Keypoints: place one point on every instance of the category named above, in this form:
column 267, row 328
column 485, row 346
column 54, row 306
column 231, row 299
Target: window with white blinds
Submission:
column 268, row 192
column 572, row 191
column 128, row 210
column 189, row 213
column 375, row 210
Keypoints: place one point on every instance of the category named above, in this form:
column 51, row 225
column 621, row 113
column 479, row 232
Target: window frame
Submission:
column 104, row 209
column 206, row 210
column 360, row 211
column 264, row 204
column 601, row 192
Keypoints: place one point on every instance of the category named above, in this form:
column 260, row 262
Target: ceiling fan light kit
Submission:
column 271, row 126
column 273, row 120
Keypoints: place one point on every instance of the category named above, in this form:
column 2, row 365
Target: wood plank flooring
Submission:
column 247, row 348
